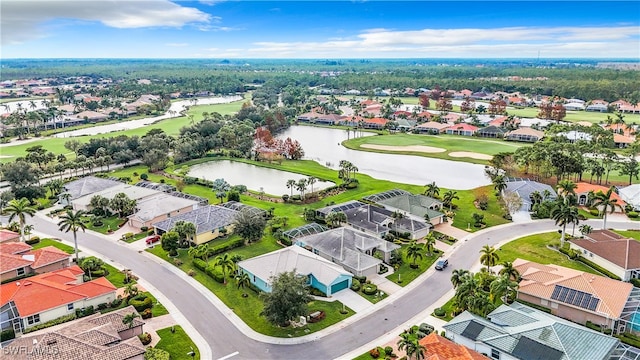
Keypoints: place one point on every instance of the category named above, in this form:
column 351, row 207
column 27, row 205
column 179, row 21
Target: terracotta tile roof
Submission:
column 583, row 187
column 379, row 121
column 47, row 291
column 7, row 235
column 9, row 262
column 612, row 247
column 613, row 294
column 526, row 131
column 48, row 255
column 622, row 139
column 440, row 348
column 466, row 127
column 14, row 248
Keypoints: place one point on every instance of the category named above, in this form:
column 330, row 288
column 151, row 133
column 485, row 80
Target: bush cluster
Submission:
column 145, row 338
column 156, row 354
column 89, row 310
column 141, row 302
column 7, row 335
column 146, row 314
column 34, row 240
column 225, row 247
column 355, row 285
column 60, row 320
column 369, row 289
column 632, row 214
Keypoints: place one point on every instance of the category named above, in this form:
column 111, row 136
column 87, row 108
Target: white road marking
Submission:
column 229, row 356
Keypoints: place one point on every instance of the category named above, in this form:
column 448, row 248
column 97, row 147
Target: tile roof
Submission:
column 14, row 247
column 434, row 125
column 88, row 185
column 583, row 187
column 50, row 290
column 613, row 247
column 10, row 262
column 541, row 280
column 526, row 131
column 440, row 348
column 48, row 255
column 159, row 204
column 7, row 235
column 206, row 218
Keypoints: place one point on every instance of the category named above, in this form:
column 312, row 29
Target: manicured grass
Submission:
column 448, row 308
column 405, row 273
column 463, row 218
column 634, row 234
column 158, row 309
column 374, row 299
column 55, row 243
column 177, row 343
column 534, row 248
column 249, row 308
column 116, row 277
column 109, row 223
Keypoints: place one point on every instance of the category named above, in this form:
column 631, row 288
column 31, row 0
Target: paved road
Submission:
column 225, row 338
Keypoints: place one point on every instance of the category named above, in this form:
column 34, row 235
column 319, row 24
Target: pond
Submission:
column 324, row 146
column 256, row 178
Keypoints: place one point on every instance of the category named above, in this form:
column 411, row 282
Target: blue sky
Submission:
column 319, row 29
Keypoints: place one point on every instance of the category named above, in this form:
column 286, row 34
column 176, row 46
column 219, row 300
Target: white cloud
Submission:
column 22, row 20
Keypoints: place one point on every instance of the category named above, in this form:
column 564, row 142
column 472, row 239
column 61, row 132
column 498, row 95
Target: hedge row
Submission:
column 629, row 339
column 7, row 335
column 60, row 320
column 226, row 247
column 599, row 268
column 141, row 302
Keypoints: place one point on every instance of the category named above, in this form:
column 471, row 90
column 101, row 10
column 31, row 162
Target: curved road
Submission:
column 226, row 339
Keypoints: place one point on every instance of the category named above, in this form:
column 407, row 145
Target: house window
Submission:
column 70, row 306
column 590, row 254
column 584, row 252
column 495, row 354
column 34, row 319
column 20, row 272
column 254, row 278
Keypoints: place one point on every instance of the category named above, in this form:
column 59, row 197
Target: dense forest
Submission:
column 566, row 78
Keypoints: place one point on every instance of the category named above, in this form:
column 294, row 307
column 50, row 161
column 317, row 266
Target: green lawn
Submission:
column 448, row 308
column 249, row 308
column 634, row 234
column 110, row 223
column 534, row 248
column 116, row 277
column 177, row 343
column 405, row 274
column 55, row 243
column 464, row 213
column 158, row 309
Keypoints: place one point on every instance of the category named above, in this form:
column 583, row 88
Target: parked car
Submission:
column 441, row 264
column 153, row 239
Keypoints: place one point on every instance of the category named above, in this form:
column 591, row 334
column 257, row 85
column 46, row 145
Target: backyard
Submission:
column 177, row 343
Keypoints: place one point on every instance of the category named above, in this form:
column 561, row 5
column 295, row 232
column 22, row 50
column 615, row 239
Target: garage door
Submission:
column 339, row 286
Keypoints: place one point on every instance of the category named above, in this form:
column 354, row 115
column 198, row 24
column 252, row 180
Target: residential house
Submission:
column 432, row 127
column 453, row 117
column 133, row 192
column 352, row 249
column 622, row 141
column 491, row 131
column 461, row 129
column 321, row 273
column 324, row 211
column 410, row 205
column 44, row 297
column 91, row 116
column 578, row 296
column 598, row 107
column 18, row 260
column 582, row 193
column 524, row 134
column 98, row 336
column 629, row 194
column 158, row 207
column 521, row 332
column 614, row 252
column 524, row 188
column 375, row 123
column 379, row 221
column 8, row 236
column 574, row 106
column 441, row 348
column 211, row 221
column 87, row 185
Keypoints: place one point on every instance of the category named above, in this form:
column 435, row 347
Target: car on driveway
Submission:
column 441, row 264
column 152, row 239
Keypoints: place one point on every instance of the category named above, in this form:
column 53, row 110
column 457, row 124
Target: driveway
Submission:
column 352, row 300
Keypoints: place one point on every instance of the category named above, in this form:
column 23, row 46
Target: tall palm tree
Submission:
column 19, row 208
column 458, row 276
column 291, row 184
column 310, row 181
column 430, row 242
column 414, row 252
column 566, row 187
column 489, row 257
column 72, row 221
column 448, row 198
column 501, row 287
column 432, row 190
column 243, row 281
column 499, row 183
column 564, row 213
column 226, row 264
column 509, row 270
column 606, row 202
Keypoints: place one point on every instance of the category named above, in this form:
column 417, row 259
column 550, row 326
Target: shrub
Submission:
column 144, row 228
column 361, row 279
column 145, row 338
column 594, row 212
column 225, row 247
column 199, row 264
column 151, row 232
column 375, row 353
column 144, row 176
column 439, row 312
column 7, row 335
column 388, row 351
column 426, row 328
column 156, row 354
column 191, row 272
column 34, row 240
column 146, row 314
column 632, row 214
column 635, row 282
column 234, row 196
column 177, row 262
column 116, row 302
column 286, row 241
column 135, row 173
column 285, row 197
column 85, row 312
column 598, row 268
column 369, row 289
column 141, row 302
column 60, row 320
column 295, row 198
column 355, row 285
column 102, row 306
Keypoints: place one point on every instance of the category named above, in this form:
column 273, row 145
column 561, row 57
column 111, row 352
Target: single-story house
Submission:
column 324, row 211
column 622, row 141
column 521, row 332
column 491, row 131
column 583, row 189
column 9, row 236
column 18, row 259
column 597, row 107
column 374, row 123
column 574, row 106
column 432, row 127
column 91, row 116
column 575, row 295
column 133, row 192
column 94, row 337
column 524, row 188
column 411, row 205
column 612, row 251
column 629, row 194
column 211, row 221
column 524, row 134
column 321, row 273
column 440, row 348
column 59, row 293
column 378, row 221
column 85, row 186
column 352, row 249
column 155, row 208
column 462, row 129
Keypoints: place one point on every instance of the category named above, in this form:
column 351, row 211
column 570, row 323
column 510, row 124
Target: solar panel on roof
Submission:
column 575, row 297
column 578, row 298
column 556, row 292
column 593, row 304
column 571, row 296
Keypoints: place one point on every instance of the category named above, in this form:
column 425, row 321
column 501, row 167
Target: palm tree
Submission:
column 430, row 242
column 605, row 201
column 509, row 270
column 72, row 221
column 310, row 181
column 221, row 188
column 448, row 198
column 566, row 187
column 414, row 251
column 458, row 276
column 226, row 264
column 407, row 343
column 243, row 281
column 564, row 213
column 19, row 208
column 536, row 197
column 432, row 190
column 291, row 184
column 585, row 229
column 501, row 287
column 489, row 257
column 131, row 290
column 499, row 183
column 301, row 186
column 128, row 319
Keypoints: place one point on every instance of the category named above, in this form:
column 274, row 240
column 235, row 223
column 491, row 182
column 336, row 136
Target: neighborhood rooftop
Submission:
column 88, row 185
column 205, row 218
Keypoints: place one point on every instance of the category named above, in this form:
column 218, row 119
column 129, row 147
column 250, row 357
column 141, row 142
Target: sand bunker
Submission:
column 471, row 155
column 5, row 156
column 416, row 148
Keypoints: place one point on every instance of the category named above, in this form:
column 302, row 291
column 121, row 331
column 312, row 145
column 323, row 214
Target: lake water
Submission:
column 323, row 146
column 256, row 178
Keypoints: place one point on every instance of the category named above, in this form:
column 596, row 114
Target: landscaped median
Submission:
column 249, row 308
